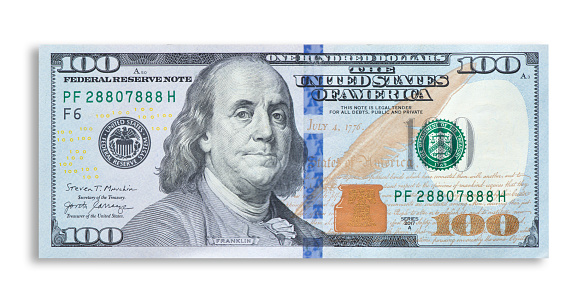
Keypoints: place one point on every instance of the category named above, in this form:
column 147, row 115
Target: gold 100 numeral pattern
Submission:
column 459, row 225
column 75, row 157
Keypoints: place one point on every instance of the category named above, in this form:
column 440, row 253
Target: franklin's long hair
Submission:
column 184, row 161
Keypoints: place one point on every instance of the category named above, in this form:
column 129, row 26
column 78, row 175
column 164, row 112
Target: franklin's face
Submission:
column 248, row 140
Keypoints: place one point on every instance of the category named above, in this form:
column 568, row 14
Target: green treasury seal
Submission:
column 440, row 144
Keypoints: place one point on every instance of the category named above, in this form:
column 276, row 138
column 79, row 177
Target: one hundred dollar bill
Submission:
column 302, row 151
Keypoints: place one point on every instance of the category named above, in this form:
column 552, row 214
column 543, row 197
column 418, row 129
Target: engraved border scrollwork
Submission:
column 57, row 236
column 532, row 240
column 532, row 58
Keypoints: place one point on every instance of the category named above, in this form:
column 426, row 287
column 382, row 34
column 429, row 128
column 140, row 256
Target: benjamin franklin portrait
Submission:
column 233, row 153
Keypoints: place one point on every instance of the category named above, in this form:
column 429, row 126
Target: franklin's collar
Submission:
column 250, row 211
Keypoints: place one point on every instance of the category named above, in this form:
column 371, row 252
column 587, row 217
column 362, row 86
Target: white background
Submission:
column 561, row 24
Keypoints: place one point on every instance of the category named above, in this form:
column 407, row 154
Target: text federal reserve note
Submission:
column 308, row 151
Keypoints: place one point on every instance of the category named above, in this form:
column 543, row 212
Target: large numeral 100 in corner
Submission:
column 487, row 64
column 86, row 64
column 90, row 236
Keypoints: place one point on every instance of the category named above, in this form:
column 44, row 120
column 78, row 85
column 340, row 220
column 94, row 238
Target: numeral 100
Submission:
column 487, row 64
column 87, row 64
column 89, row 235
column 460, row 223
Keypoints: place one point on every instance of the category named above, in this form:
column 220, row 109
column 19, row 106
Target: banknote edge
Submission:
column 542, row 134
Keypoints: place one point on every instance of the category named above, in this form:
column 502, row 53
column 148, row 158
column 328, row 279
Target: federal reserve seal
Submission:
column 124, row 142
column 440, row 144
